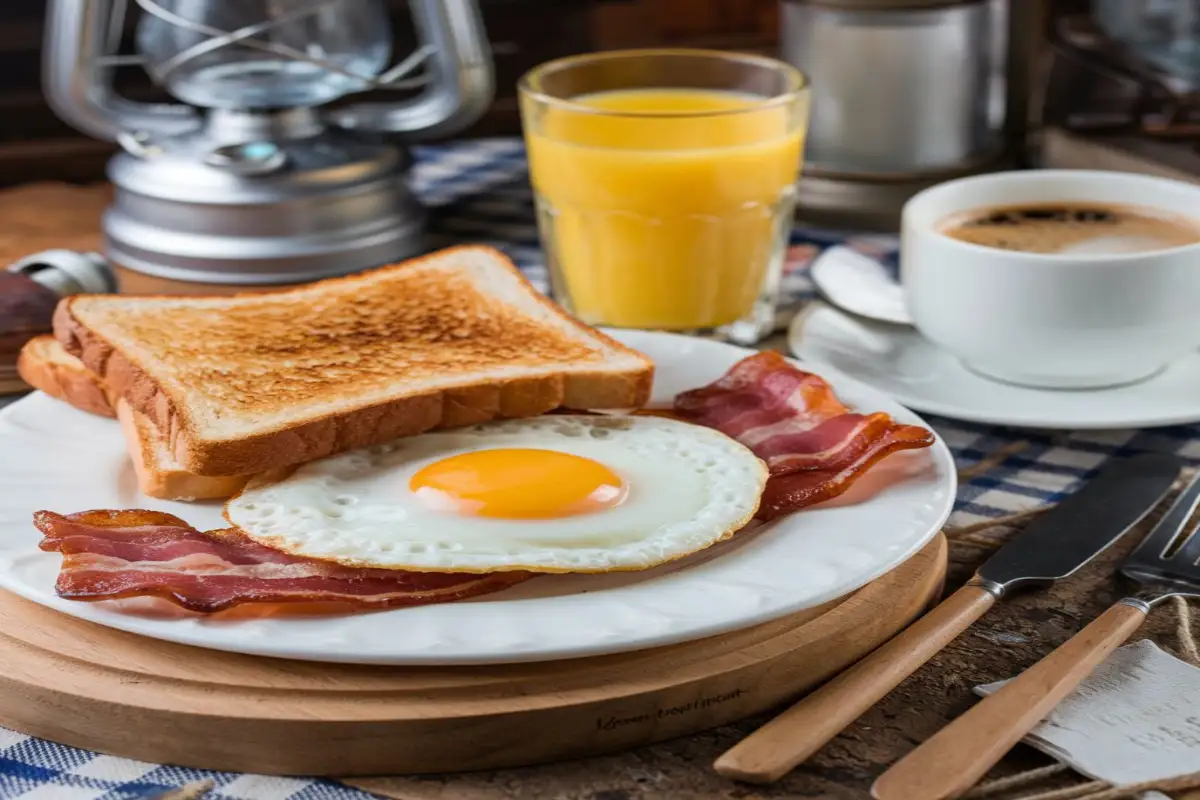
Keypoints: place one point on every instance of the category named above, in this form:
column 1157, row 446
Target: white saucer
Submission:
column 899, row 361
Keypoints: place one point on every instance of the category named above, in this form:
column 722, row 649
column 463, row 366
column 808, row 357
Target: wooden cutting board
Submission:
column 100, row 689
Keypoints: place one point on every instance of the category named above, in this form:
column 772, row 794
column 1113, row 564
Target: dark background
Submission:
column 35, row 145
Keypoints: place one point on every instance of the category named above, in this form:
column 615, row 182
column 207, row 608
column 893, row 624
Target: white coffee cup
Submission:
column 1052, row 320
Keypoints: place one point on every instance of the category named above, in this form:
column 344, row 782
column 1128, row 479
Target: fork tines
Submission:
column 1156, row 549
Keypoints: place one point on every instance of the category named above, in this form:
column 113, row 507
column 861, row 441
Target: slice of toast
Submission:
column 45, row 365
column 246, row 383
column 158, row 474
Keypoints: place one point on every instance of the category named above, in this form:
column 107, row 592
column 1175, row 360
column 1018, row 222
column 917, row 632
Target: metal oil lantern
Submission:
column 252, row 179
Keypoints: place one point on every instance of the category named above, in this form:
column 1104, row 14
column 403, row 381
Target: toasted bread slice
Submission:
column 158, row 474
column 244, row 384
column 45, row 365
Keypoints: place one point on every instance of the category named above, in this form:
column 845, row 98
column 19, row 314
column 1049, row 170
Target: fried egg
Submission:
column 548, row 494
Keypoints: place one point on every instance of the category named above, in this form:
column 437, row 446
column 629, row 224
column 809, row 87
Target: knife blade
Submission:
column 1083, row 525
column 1052, row 547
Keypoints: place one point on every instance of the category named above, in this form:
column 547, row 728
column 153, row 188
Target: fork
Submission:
column 958, row 756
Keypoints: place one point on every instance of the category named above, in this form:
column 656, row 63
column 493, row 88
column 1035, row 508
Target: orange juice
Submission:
column 664, row 208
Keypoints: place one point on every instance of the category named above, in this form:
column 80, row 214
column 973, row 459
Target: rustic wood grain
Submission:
column 958, row 756
column 1011, row 637
column 793, row 736
column 101, row 689
column 45, row 216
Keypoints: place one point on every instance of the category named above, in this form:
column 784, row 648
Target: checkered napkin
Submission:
column 34, row 769
column 479, row 192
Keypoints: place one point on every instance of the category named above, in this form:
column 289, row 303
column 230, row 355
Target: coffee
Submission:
column 1072, row 228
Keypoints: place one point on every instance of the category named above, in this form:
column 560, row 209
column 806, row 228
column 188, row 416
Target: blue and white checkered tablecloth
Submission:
column 478, row 191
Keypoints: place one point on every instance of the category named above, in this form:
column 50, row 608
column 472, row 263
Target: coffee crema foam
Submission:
column 1070, row 228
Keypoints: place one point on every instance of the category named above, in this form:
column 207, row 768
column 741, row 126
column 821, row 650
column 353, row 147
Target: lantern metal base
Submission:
column 261, row 199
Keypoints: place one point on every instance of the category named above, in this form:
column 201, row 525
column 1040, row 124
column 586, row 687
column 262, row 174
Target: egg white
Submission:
column 688, row 488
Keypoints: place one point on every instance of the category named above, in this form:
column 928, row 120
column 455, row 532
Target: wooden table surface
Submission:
column 1011, row 637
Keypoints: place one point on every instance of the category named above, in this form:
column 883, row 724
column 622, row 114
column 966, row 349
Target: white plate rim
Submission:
column 741, row 605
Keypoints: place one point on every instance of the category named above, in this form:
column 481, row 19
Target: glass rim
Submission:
column 798, row 83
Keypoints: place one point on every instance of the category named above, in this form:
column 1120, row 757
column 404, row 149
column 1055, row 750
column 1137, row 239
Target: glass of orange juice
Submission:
column 665, row 184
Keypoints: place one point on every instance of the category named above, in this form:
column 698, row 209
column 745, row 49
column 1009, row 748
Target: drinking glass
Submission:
column 665, row 182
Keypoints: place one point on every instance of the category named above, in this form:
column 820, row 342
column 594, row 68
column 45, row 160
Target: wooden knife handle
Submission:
column 774, row 749
column 959, row 755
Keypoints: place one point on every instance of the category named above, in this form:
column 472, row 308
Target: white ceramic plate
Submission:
column 901, row 362
column 54, row 457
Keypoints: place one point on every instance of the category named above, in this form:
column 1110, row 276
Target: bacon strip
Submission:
column 815, row 447
column 108, row 555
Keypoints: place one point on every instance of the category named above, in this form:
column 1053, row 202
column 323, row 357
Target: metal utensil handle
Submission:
column 66, row 272
column 960, row 754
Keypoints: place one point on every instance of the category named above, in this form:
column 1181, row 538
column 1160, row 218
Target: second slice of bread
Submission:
column 45, row 365
column 244, row 384
column 158, row 474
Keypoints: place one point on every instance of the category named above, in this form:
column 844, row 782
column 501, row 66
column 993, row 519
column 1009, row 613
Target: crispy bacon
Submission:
column 815, row 447
column 108, row 555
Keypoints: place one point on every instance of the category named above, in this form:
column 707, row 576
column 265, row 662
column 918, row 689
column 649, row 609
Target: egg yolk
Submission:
column 518, row 483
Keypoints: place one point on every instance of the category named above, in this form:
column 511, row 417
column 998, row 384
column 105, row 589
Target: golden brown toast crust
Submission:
column 329, row 362
column 41, row 364
column 166, row 482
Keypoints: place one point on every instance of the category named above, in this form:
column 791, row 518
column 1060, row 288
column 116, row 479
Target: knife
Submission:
column 1051, row 548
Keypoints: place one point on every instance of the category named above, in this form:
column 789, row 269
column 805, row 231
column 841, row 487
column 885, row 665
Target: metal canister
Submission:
column 899, row 87
column 905, row 94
